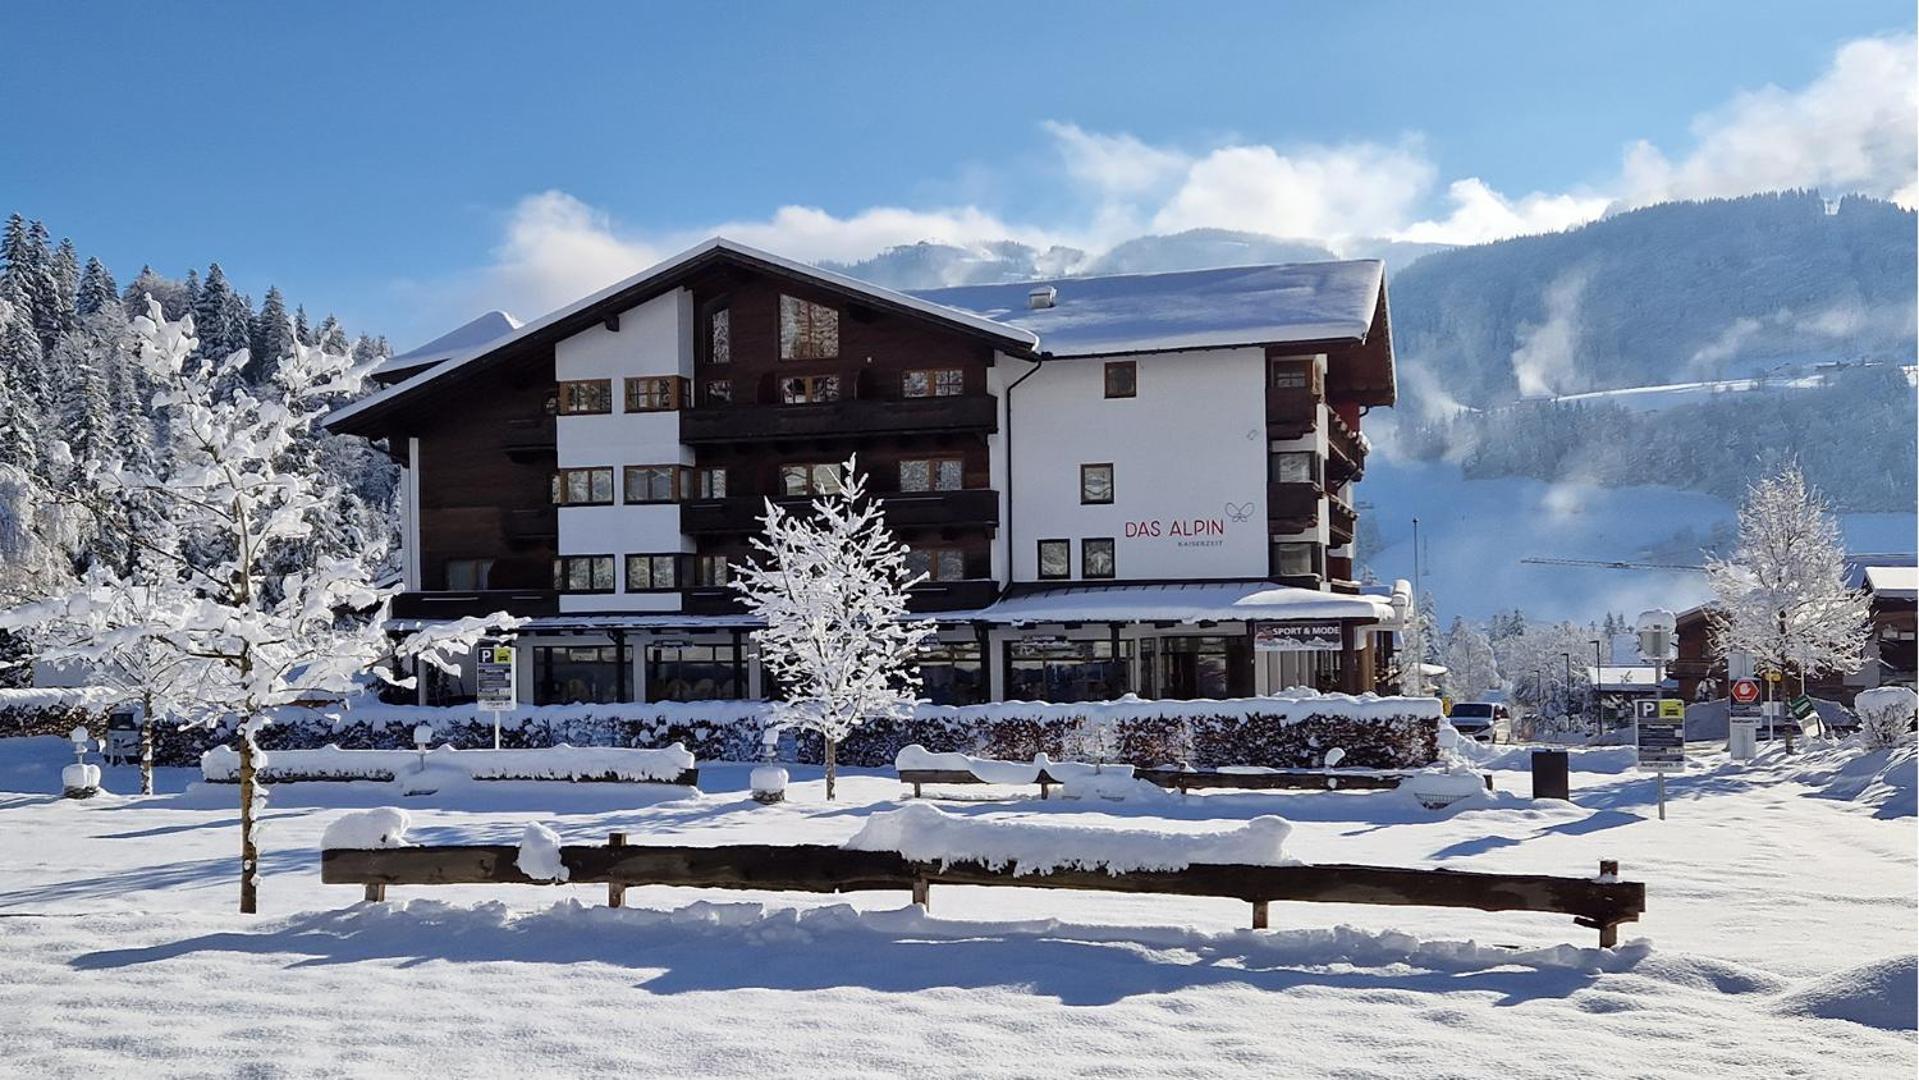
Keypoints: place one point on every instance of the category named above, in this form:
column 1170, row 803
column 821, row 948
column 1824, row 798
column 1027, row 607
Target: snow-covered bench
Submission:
column 918, row 766
column 580, row 764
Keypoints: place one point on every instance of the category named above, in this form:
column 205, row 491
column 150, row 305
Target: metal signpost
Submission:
column 1659, row 727
column 494, row 671
column 1742, row 730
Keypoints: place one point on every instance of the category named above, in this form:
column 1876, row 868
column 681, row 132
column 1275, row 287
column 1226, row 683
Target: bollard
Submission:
column 1551, row 769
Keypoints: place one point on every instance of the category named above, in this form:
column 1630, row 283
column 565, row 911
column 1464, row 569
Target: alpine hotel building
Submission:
column 1131, row 484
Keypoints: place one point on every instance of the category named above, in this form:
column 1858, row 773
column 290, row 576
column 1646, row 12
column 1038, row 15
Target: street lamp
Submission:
column 1592, row 694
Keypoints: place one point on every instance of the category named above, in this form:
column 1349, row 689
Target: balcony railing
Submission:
column 528, row 436
column 761, row 423
column 917, row 509
column 454, row 605
column 531, row 524
column 964, row 595
column 1292, row 507
column 1291, row 412
column 1342, row 521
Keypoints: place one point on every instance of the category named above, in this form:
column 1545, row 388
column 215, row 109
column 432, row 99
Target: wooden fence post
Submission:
column 375, row 893
column 615, row 892
column 1259, row 914
column 923, row 893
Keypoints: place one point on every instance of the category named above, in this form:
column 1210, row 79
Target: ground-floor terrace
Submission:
column 1065, row 644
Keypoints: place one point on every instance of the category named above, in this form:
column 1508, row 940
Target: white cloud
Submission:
column 1851, row 129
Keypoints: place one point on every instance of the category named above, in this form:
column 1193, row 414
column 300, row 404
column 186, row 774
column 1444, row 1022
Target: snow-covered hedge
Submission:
column 582, row 763
column 1292, row 730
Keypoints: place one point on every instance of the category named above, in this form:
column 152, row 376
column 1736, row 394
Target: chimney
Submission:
column 1042, row 297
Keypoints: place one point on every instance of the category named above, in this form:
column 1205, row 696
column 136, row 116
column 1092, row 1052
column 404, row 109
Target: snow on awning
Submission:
column 1229, row 601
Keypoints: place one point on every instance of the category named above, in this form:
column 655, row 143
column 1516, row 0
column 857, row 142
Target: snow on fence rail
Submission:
column 919, row 766
column 614, row 764
column 1602, row 903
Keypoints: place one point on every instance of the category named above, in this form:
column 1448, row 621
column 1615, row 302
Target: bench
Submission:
column 1602, row 903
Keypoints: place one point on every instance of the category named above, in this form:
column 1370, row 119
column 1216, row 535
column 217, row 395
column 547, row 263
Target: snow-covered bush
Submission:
column 1886, row 714
column 768, row 783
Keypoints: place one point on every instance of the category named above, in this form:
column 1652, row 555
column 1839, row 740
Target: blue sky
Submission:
column 406, row 164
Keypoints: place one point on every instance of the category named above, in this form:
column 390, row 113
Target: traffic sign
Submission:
column 1745, row 691
column 1661, row 733
column 1802, row 707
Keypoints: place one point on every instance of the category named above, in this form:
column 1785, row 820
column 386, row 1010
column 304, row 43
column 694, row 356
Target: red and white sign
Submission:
column 1745, row 691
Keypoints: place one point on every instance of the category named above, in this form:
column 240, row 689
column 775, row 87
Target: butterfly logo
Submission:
column 1239, row 511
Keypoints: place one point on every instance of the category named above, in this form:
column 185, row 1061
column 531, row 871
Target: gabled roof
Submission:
column 489, row 327
column 1188, row 309
column 645, row 285
column 1893, row 582
column 1858, row 563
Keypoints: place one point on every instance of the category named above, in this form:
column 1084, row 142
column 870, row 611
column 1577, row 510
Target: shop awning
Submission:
column 1213, row 601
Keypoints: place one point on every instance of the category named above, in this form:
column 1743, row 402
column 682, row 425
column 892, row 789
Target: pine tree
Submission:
column 97, row 291
column 190, row 294
column 25, row 367
column 272, row 335
column 65, row 271
column 302, row 330
column 331, row 336
column 174, row 296
column 49, row 318
column 214, row 313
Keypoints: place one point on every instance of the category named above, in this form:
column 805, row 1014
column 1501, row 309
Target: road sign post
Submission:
column 493, row 671
column 1742, row 720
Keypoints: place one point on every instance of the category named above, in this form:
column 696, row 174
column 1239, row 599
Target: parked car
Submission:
column 1476, row 719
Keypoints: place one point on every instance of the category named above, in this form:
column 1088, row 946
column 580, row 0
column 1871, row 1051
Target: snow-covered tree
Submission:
column 1782, row 596
column 831, row 588
column 1467, row 655
column 1418, row 645
column 1886, row 715
column 98, row 292
column 272, row 333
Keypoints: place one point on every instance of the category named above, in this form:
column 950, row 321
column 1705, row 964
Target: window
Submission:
column 1295, row 373
column 809, row 389
column 808, row 331
column 688, row 672
column 1096, row 483
column 933, row 382
column 655, row 483
column 468, row 575
column 652, row 573
column 951, row 673
column 576, row 674
column 583, row 487
column 719, row 391
column 1066, row 671
column 1122, row 378
column 932, row 474
column 586, row 397
column 937, row 563
column 709, row 483
column 719, row 339
column 809, row 479
column 712, row 570
column 1096, row 557
column 1295, row 467
column 1295, row 558
column 583, row 573
column 1055, row 559
column 653, row 393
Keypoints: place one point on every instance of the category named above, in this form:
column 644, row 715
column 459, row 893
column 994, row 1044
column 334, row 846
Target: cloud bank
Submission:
column 1849, row 130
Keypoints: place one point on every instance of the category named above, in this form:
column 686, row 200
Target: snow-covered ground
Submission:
column 1779, row 940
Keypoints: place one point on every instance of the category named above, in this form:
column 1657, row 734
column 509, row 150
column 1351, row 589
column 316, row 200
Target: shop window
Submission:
column 808, row 331
column 1096, row 483
column 933, row 382
column 1096, row 557
column 932, row 474
column 1067, row 671
column 652, row 573
column 694, row 673
column 952, row 673
column 583, row 574
column 1055, row 559
column 583, row 487
column 1122, row 378
column 586, row 397
column 576, row 674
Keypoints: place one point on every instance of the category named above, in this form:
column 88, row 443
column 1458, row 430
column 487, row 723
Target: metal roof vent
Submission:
column 1042, row 297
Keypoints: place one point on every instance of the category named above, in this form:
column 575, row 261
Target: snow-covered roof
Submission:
column 1213, row 601
column 1189, row 309
column 1893, row 582
column 1621, row 677
column 1857, row 563
column 488, row 328
column 658, row 274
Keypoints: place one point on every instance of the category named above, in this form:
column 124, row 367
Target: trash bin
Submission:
column 1550, row 775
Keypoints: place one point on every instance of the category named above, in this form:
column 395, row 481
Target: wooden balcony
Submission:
column 1342, row 521
column 1291, row 413
column 1347, row 457
column 538, row 523
column 973, row 508
column 455, row 605
column 1292, row 507
column 972, row 413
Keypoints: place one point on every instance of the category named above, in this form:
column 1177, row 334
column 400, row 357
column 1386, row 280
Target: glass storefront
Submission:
column 1066, row 671
column 576, row 674
column 953, row 673
column 1186, row 668
column 694, row 673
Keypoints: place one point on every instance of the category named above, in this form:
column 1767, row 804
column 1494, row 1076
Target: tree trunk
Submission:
column 832, row 747
column 249, row 851
column 146, row 744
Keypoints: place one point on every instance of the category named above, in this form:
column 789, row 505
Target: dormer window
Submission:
column 808, row 331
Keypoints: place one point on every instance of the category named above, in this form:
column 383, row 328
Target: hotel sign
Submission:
column 1319, row 634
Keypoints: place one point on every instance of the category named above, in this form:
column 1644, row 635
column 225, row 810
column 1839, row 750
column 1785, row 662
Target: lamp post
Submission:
column 1592, row 695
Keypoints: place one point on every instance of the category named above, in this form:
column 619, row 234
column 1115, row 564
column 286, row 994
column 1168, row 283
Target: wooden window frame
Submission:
column 1316, row 558
column 702, row 579
column 724, row 394
column 812, row 491
column 1307, row 364
column 803, row 308
column 1131, row 368
column 567, row 404
column 1317, row 474
column 674, row 559
column 639, row 387
column 678, row 484
column 715, row 314
column 558, row 487
column 932, row 463
column 1112, row 558
column 812, row 384
column 702, row 482
column 1039, row 566
column 932, row 376
column 1112, row 483
column 562, row 564
column 933, row 553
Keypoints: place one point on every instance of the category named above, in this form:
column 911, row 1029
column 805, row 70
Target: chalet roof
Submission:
column 489, row 327
column 657, row 279
column 1893, row 582
column 1859, row 564
column 1188, row 309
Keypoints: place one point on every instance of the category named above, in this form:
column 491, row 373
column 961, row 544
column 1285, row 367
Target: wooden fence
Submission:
column 1184, row 780
column 1601, row 903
